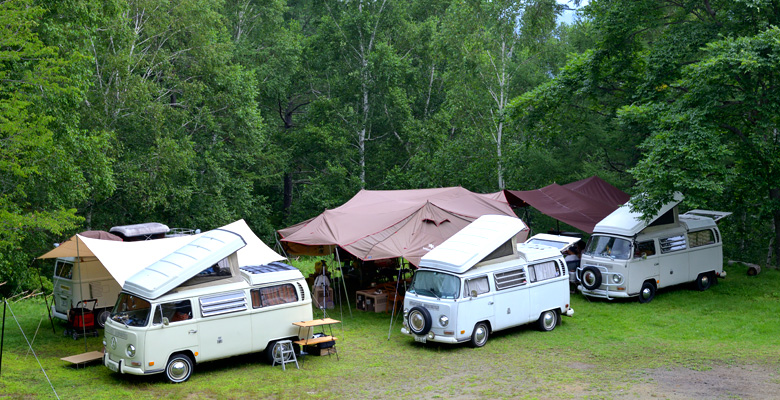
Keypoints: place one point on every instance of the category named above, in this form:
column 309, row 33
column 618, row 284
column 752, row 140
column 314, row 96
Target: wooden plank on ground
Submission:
column 84, row 358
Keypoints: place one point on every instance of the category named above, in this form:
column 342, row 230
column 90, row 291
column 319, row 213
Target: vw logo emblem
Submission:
column 113, row 343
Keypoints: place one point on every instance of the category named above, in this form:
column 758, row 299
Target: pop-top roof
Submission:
column 625, row 222
column 183, row 264
column 473, row 243
column 560, row 242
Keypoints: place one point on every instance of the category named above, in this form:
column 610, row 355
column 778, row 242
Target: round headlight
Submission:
column 130, row 350
column 443, row 320
column 617, row 279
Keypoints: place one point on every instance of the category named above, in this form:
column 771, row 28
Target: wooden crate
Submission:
column 370, row 300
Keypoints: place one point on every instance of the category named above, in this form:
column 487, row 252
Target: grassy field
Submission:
column 604, row 351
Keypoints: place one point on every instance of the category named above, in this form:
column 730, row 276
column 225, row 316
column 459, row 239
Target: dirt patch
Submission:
column 720, row 382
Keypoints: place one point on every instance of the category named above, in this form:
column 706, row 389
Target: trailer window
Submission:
column 543, row 271
column 476, row 285
column 701, row 238
column 274, row 296
column 64, row 269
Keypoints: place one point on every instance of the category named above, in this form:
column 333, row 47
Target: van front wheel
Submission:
column 704, row 281
column 647, row 293
column 179, row 368
column 548, row 321
column 480, row 335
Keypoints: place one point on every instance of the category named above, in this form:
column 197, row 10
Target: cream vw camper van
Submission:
column 628, row 257
column 197, row 305
column 480, row 281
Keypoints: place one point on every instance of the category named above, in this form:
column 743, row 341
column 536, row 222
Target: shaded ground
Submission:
column 720, row 382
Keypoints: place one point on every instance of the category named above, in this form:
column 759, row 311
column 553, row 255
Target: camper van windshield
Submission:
column 608, row 246
column 435, row 284
column 131, row 310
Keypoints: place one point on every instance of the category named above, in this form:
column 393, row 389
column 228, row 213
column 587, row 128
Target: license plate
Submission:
column 421, row 339
column 113, row 366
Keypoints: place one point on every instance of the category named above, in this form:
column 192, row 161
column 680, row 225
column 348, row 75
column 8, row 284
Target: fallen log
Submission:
column 753, row 269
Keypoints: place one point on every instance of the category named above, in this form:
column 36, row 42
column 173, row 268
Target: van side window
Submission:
column 222, row 304
column 175, row 311
column 544, row 271
column 646, row 248
column 701, row 238
column 674, row 243
column 479, row 285
column 274, row 295
column 510, row 279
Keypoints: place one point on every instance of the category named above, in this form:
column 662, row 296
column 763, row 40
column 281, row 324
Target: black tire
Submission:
column 179, row 368
column 704, row 281
column 101, row 316
column 480, row 335
column 272, row 350
column 547, row 321
column 420, row 321
column 590, row 278
column 647, row 293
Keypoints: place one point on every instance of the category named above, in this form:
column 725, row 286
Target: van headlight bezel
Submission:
column 444, row 320
column 130, row 350
column 617, row 279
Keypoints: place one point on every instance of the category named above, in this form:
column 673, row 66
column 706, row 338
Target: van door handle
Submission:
column 193, row 331
column 655, row 265
column 490, row 303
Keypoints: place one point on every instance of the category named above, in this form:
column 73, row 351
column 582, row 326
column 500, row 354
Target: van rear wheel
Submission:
column 703, row 281
column 480, row 335
column 179, row 368
column 547, row 321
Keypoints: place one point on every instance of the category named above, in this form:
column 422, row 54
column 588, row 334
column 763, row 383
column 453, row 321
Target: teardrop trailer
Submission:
column 197, row 305
column 481, row 280
column 630, row 257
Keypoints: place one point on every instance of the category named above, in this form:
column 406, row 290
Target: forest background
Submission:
column 195, row 113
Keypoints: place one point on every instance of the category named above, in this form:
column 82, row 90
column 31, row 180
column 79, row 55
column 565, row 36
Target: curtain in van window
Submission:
column 479, row 284
column 275, row 295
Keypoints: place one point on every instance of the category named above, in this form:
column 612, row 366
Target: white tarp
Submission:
column 124, row 259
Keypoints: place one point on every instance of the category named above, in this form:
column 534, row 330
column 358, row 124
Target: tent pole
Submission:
column 48, row 309
column 2, row 337
column 343, row 283
column 81, row 294
column 395, row 299
column 279, row 245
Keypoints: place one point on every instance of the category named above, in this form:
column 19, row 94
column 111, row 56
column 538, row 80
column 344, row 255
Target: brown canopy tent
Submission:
column 381, row 224
column 581, row 204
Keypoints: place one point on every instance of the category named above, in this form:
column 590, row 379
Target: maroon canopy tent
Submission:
column 381, row 224
column 581, row 204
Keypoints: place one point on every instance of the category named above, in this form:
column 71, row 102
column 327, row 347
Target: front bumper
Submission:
column 119, row 366
column 426, row 338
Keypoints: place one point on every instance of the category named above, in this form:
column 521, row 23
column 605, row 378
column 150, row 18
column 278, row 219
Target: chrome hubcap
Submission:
column 480, row 334
column 416, row 322
column 549, row 320
column 178, row 369
column 589, row 278
column 705, row 280
column 646, row 293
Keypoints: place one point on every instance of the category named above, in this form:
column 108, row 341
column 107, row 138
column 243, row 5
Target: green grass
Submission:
column 733, row 323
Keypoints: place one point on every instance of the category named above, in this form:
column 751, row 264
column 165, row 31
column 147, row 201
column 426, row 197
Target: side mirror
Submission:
column 473, row 294
column 165, row 321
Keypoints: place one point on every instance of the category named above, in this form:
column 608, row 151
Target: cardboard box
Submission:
column 323, row 297
column 315, row 351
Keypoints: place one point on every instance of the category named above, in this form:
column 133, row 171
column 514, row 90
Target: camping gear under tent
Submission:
column 581, row 204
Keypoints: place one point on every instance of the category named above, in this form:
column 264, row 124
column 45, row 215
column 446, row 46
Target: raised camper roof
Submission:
column 624, row 222
column 183, row 264
column 474, row 243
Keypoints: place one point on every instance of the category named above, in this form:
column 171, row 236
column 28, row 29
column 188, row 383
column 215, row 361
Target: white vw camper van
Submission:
column 627, row 257
column 197, row 305
column 480, row 281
